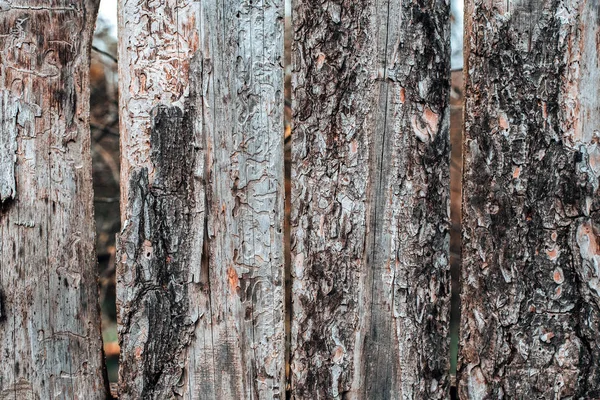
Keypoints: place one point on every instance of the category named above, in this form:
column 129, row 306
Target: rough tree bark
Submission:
column 370, row 179
column 530, row 292
column 49, row 316
column 200, row 274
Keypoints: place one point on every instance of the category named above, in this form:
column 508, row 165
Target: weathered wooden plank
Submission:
column 244, row 134
column 49, row 324
column 162, row 221
column 200, row 275
column 370, row 192
column 530, row 300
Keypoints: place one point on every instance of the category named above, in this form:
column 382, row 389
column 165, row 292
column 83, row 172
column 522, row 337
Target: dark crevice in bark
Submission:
column 2, row 302
column 376, row 364
column 287, row 273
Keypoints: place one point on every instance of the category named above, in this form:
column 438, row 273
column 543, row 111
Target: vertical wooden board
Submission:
column 243, row 126
column 370, row 193
column 162, row 197
column 530, row 300
column 49, row 316
column 200, row 275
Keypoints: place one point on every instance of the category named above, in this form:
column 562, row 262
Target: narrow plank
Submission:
column 163, row 224
column 244, row 138
column 200, row 275
column 370, row 193
column 530, row 300
column 49, row 316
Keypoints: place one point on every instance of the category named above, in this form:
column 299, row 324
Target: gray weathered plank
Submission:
column 370, row 193
column 50, row 341
column 200, row 275
column 530, row 296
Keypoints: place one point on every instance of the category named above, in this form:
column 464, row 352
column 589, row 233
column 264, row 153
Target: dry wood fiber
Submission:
column 50, row 340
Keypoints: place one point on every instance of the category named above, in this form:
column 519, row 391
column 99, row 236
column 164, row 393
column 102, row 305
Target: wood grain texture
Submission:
column 50, row 342
column 370, row 193
column 530, row 297
column 200, row 274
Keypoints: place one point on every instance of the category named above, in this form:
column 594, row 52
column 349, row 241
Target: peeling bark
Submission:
column 9, row 106
column 50, row 322
column 156, row 317
column 370, row 193
column 200, row 275
column 530, row 296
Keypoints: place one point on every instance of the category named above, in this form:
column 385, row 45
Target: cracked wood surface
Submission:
column 530, row 292
column 370, row 199
column 200, row 273
column 50, row 341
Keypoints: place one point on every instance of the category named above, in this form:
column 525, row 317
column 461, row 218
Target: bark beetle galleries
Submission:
column 50, row 326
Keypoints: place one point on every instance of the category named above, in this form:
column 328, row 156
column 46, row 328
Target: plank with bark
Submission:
column 200, row 274
column 530, row 295
column 370, row 199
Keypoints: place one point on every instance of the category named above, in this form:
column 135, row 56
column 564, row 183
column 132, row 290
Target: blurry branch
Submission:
column 108, row 159
column 106, row 199
column 105, row 53
column 104, row 129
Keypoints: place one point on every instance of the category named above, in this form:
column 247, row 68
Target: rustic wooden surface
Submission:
column 160, row 220
column 200, row 274
column 370, row 200
column 49, row 317
column 530, row 294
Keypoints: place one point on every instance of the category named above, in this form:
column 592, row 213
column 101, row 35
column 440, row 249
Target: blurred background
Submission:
column 104, row 124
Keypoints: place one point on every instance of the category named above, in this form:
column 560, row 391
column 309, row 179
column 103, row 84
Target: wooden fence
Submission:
column 207, row 306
